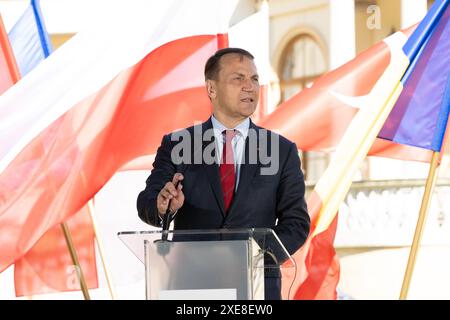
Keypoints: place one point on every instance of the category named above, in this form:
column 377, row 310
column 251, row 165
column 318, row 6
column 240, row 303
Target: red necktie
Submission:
column 227, row 174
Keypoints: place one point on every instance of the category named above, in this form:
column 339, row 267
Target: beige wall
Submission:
column 364, row 37
column 390, row 22
column 289, row 18
column 58, row 40
column 390, row 18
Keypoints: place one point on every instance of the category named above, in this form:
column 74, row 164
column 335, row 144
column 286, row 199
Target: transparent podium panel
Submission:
column 207, row 264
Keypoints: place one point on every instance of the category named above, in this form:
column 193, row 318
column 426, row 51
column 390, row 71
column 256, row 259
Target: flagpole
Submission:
column 426, row 200
column 76, row 262
column 101, row 249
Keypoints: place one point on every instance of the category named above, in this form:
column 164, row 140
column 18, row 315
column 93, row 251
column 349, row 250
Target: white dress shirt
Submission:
column 238, row 142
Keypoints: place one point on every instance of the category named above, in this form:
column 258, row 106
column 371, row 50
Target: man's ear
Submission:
column 211, row 88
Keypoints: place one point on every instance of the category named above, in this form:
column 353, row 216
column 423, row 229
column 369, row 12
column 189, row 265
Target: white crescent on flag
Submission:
column 354, row 102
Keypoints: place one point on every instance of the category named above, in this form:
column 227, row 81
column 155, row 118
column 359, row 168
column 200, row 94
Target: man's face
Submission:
column 235, row 92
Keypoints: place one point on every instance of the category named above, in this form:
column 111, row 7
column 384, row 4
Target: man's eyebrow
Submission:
column 243, row 75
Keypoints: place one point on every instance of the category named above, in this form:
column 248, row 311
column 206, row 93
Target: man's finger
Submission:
column 162, row 206
column 162, row 203
column 170, row 188
column 165, row 194
column 177, row 177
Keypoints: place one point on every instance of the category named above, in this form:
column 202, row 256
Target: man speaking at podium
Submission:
column 228, row 172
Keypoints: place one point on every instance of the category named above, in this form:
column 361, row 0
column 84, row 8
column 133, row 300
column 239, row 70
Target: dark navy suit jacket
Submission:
column 261, row 201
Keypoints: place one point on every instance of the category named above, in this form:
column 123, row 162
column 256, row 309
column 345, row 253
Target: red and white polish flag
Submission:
column 100, row 101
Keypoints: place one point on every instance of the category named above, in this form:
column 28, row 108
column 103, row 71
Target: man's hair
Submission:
column 212, row 66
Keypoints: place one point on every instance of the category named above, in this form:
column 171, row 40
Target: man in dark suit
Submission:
column 238, row 176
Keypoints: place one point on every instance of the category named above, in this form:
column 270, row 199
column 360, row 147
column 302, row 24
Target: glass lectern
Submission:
column 223, row 264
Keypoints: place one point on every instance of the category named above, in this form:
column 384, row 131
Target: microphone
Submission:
column 167, row 218
column 166, row 223
column 163, row 244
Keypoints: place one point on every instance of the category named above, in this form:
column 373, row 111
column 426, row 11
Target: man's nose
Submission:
column 249, row 85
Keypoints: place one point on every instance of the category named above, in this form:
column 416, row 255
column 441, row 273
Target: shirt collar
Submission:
column 242, row 127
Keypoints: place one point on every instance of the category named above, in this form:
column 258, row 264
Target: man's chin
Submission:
column 247, row 111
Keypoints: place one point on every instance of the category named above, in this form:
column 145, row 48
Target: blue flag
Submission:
column 420, row 115
column 29, row 39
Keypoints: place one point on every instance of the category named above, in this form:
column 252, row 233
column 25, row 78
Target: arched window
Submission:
column 303, row 60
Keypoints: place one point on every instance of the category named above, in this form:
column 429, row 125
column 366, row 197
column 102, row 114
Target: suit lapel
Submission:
column 212, row 171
